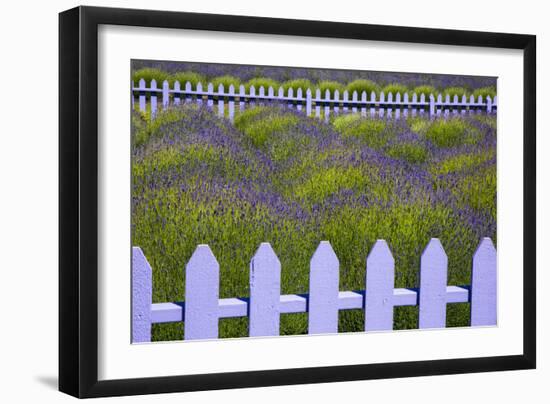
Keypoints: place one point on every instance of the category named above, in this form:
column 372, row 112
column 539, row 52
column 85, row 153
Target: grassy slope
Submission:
column 281, row 177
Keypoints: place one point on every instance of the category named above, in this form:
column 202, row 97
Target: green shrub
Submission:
column 484, row 92
column 361, row 85
column 395, row 88
column 410, row 152
column 304, row 84
column 226, row 81
column 260, row 124
column 426, row 90
column 369, row 131
column 419, row 125
column 452, row 91
column 331, row 86
column 264, row 82
column 191, row 77
column 461, row 162
column 149, row 74
column 452, row 132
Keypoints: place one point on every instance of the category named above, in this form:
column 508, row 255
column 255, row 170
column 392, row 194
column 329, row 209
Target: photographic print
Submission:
column 276, row 201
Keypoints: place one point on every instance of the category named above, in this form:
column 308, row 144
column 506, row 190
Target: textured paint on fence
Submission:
column 384, row 105
column 202, row 307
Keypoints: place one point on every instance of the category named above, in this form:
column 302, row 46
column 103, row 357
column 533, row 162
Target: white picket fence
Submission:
column 381, row 105
column 203, row 308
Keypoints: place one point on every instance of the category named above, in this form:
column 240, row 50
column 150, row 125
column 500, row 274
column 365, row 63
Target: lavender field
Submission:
column 279, row 176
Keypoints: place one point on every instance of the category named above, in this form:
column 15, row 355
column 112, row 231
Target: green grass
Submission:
column 191, row 77
column 484, row 92
column 426, row 90
column 452, row 91
column 194, row 173
column 374, row 133
column 452, row 132
column 331, row 86
column 361, row 86
column 149, row 74
column 394, row 89
column 262, row 82
column 295, row 84
column 226, row 81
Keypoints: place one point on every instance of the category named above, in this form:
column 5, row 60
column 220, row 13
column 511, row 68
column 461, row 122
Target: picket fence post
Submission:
column 153, row 99
column 265, row 286
column 142, row 95
column 308, row 102
column 433, row 286
column 323, row 290
column 483, row 306
column 202, row 284
column 380, row 278
column 142, row 296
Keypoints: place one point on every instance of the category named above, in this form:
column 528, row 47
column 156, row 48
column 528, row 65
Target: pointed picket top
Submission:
column 423, row 97
column 406, row 97
column 299, row 93
column 242, row 90
column 199, row 86
column 188, row 86
column 265, row 279
column 210, row 88
column 142, row 84
column 165, row 94
column 290, row 92
column 323, row 290
column 447, row 98
column 281, row 92
column 201, row 294
column 382, row 96
column 472, row 99
column 220, row 88
column 318, row 93
column 455, row 99
column 390, row 97
column 261, row 91
column 270, row 92
column 433, row 286
column 336, row 95
column 142, row 296
column 440, row 98
column 346, row 95
column 495, row 100
column 483, row 305
column 327, row 94
column 464, row 99
column 232, row 89
column 380, row 277
column 177, row 86
column 354, row 96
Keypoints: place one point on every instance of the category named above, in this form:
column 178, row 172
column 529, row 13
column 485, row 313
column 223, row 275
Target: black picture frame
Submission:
column 78, row 200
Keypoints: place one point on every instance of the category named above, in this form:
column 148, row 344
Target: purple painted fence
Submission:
column 203, row 308
column 373, row 105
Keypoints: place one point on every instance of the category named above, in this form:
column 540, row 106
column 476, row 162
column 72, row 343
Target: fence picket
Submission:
column 177, row 89
column 242, row 94
column 231, row 103
column 210, row 95
column 142, row 296
column 165, row 94
column 483, row 306
column 489, row 105
column 354, row 105
column 142, row 96
column 265, row 281
column 308, row 102
column 153, row 98
column 201, row 295
column 327, row 105
column 346, row 101
column 318, row 103
column 290, row 96
column 199, row 90
column 323, row 290
column 381, row 108
column 188, row 89
column 433, row 286
column 299, row 102
column 336, row 102
column 379, row 288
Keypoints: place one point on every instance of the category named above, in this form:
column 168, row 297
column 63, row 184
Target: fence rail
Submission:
column 319, row 105
column 203, row 308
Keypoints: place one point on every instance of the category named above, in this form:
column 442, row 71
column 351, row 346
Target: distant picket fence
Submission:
column 382, row 105
column 203, row 308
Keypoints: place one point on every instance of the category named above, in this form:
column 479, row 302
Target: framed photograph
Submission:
column 251, row 201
